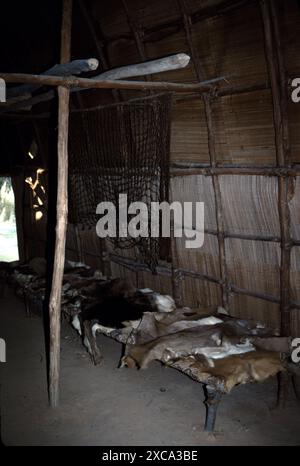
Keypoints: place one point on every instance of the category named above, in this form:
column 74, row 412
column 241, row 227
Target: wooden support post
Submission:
column 218, row 203
column 213, row 398
column 278, row 81
column 275, row 62
column 60, row 242
column 176, row 279
column 187, row 21
column 78, row 244
column 66, row 31
column 62, row 214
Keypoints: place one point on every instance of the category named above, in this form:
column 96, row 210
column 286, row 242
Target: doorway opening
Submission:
column 8, row 231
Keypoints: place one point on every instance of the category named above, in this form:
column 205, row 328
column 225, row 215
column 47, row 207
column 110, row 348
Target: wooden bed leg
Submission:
column 91, row 343
column 27, row 305
column 284, row 385
column 296, row 386
column 212, row 401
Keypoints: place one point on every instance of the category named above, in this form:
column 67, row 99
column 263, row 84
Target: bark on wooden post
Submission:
column 62, row 214
column 60, row 242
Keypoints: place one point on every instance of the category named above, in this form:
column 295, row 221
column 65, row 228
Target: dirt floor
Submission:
column 109, row 406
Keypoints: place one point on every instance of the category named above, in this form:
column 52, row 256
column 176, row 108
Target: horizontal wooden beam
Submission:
column 165, row 270
column 226, row 91
column 61, row 69
column 173, row 62
column 242, row 89
column 85, row 83
column 222, row 170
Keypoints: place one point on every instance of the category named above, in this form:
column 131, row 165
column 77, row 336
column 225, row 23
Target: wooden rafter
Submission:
column 98, row 44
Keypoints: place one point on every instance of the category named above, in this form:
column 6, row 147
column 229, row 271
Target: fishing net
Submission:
column 120, row 149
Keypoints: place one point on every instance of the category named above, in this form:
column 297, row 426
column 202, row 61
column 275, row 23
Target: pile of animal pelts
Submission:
column 30, row 281
column 218, row 350
column 207, row 344
column 116, row 309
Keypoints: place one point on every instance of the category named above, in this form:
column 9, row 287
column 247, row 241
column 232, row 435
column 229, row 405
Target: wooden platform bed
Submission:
column 207, row 345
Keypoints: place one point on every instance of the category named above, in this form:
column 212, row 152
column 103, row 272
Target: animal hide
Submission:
column 183, row 333
column 255, row 366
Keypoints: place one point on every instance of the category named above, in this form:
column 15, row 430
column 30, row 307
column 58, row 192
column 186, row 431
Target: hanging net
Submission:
column 120, row 149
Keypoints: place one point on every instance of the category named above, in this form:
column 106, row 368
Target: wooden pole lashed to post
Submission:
column 62, row 213
column 187, row 22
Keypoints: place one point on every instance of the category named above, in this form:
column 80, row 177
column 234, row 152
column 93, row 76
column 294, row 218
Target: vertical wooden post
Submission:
column 78, row 244
column 62, row 213
column 66, row 29
column 60, row 242
column 176, row 279
column 275, row 62
column 212, row 153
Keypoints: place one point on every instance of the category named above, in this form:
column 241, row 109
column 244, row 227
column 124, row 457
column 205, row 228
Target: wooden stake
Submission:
column 60, row 242
column 62, row 214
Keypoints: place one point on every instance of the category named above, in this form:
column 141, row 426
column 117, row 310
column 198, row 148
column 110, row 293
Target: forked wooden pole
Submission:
column 62, row 214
